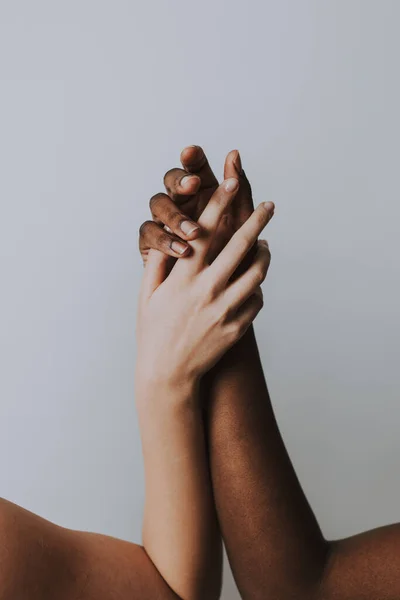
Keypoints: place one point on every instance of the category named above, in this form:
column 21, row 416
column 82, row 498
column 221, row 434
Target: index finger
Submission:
column 240, row 243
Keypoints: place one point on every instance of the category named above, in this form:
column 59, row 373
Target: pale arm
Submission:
column 180, row 531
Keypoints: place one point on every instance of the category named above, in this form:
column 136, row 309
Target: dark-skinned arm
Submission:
column 274, row 543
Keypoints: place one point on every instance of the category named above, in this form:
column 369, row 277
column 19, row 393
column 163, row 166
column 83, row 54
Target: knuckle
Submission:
column 210, row 294
column 221, row 197
column 144, row 228
column 170, row 172
column 175, row 218
column 164, row 240
column 243, row 327
column 170, row 178
column 238, row 328
column 242, row 243
column 250, row 236
column 264, row 247
column 267, row 261
column 156, row 200
column 259, row 301
column 259, row 274
column 232, row 330
column 226, row 314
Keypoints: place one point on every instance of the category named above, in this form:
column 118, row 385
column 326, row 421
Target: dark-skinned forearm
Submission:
column 272, row 538
column 274, row 544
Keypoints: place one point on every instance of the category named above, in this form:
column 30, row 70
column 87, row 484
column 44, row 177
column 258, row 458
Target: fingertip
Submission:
column 196, row 233
column 191, row 154
column 231, row 164
column 231, row 184
column 179, row 249
column 269, row 207
column 189, row 184
column 191, row 233
column 234, row 156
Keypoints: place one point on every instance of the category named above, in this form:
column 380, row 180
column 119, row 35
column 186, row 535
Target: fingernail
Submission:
column 268, row 207
column 185, row 181
column 231, row 184
column 188, row 227
column 178, row 247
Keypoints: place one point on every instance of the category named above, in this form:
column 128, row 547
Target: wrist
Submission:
column 167, row 391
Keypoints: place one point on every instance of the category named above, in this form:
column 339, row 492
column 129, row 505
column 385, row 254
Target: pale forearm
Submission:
column 180, row 532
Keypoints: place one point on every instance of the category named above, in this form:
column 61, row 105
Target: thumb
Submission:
column 233, row 165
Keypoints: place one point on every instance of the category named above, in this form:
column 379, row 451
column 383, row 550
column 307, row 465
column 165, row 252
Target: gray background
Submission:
column 97, row 100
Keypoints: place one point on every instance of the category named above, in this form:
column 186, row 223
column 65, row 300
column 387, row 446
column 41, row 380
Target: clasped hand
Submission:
column 189, row 317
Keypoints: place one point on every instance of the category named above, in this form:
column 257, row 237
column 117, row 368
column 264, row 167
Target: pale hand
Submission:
column 190, row 318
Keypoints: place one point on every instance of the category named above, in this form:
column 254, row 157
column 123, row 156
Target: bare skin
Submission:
column 187, row 320
column 208, row 311
column 274, row 543
column 41, row 561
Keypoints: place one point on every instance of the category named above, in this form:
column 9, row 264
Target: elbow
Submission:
column 200, row 579
column 206, row 590
column 321, row 589
column 317, row 589
column 209, row 588
column 310, row 583
column 204, row 584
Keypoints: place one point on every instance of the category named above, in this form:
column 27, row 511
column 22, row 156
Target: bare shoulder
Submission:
column 42, row 561
column 33, row 555
column 366, row 565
